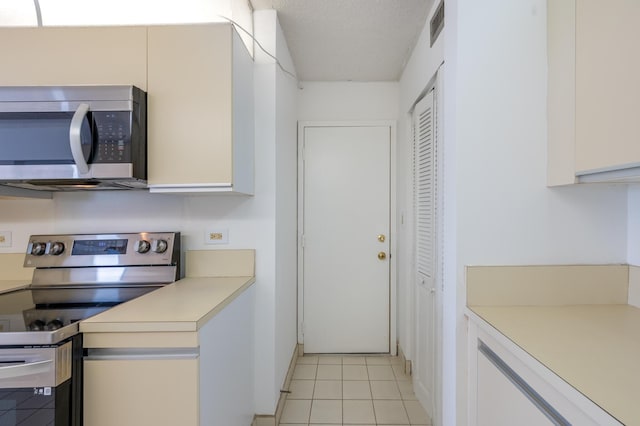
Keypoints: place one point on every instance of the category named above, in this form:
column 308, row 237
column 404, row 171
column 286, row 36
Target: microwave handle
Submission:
column 74, row 138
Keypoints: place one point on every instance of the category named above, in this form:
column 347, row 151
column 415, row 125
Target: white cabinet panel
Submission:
column 71, row 56
column 141, row 392
column 200, row 110
column 593, row 91
column 501, row 403
column 607, row 84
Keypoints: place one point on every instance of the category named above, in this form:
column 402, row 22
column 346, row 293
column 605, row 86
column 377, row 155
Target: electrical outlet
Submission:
column 5, row 238
column 216, row 236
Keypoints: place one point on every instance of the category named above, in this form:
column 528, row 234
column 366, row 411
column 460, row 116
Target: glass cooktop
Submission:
column 22, row 321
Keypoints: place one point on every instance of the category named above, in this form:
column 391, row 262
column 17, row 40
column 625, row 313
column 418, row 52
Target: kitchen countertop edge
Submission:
column 516, row 323
column 169, row 309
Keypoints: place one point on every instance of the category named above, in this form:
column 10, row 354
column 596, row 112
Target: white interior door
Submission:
column 425, row 288
column 346, row 272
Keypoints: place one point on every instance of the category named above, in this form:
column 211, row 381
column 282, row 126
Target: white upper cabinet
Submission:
column 72, row 56
column 594, row 91
column 200, row 110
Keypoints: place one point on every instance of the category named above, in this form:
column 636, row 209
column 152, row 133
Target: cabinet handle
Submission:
column 136, row 354
column 533, row 396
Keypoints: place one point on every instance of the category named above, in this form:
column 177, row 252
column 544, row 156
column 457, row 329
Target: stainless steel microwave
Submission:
column 61, row 138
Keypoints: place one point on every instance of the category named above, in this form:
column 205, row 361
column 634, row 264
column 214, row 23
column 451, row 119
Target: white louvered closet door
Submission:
column 425, row 186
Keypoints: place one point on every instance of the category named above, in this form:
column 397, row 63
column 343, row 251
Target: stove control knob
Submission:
column 142, row 246
column 38, row 249
column 159, row 246
column 56, row 248
column 37, row 325
column 54, row 324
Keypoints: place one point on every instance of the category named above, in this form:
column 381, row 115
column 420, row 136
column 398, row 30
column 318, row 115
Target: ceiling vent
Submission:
column 437, row 23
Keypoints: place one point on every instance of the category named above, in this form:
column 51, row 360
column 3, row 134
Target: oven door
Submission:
column 37, row 406
column 36, row 386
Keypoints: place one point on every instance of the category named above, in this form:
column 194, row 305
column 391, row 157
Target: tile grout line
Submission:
column 342, row 387
column 315, row 382
column 373, row 405
column 395, row 380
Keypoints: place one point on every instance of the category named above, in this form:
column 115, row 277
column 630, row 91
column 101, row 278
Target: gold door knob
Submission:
column 382, row 255
column 381, row 238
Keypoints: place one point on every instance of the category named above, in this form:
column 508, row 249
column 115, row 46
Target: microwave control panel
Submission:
column 113, row 129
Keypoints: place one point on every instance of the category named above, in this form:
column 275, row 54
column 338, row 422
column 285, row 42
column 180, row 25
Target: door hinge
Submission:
column 302, row 240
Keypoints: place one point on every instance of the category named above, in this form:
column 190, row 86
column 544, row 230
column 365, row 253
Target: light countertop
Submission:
column 214, row 279
column 185, row 305
column 574, row 319
column 594, row 348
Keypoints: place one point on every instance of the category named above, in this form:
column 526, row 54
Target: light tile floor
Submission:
column 351, row 390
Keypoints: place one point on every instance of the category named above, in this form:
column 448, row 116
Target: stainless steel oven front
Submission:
column 38, row 384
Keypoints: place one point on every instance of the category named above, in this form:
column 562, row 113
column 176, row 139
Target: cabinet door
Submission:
column 607, row 84
column 190, row 105
column 141, row 392
column 70, row 56
column 561, row 92
column 500, row 402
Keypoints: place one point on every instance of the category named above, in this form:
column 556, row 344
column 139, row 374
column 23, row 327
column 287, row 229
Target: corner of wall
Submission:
column 634, row 286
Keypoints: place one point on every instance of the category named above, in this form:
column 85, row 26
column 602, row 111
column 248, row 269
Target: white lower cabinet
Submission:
column 501, row 401
column 506, row 387
column 141, row 392
column 172, row 378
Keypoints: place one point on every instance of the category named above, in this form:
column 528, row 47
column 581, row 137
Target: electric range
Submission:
column 75, row 277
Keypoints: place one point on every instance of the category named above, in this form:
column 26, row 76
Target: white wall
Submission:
column 504, row 212
column 265, row 159
column 353, row 101
column 286, row 212
column 633, row 225
column 417, row 76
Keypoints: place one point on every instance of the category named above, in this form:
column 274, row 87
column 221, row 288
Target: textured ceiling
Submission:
column 349, row 40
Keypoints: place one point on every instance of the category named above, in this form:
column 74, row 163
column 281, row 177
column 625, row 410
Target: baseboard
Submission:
column 263, row 420
column 266, row 420
column 405, row 362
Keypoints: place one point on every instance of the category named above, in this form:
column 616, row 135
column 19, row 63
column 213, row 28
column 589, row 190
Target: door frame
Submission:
column 392, row 219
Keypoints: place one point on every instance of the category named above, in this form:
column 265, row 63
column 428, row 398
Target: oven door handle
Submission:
column 26, row 369
column 75, row 138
